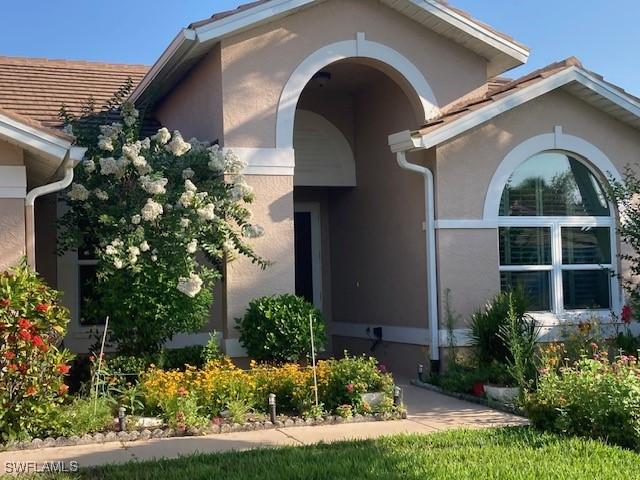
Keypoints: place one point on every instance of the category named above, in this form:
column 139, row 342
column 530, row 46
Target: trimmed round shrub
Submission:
column 32, row 368
column 276, row 329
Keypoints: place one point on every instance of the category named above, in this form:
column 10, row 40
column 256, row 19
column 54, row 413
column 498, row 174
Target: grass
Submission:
column 508, row 453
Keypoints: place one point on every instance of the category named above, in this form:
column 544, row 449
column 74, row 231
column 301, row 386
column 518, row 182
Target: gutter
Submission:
column 73, row 156
column 430, row 237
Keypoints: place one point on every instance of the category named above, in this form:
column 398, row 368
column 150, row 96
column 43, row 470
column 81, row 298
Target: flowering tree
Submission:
column 149, row 210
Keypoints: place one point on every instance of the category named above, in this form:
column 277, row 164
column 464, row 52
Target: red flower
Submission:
column 594, row 346
column 42, row 307
column 25, row 335
column 9, row 355
column 5, row 302
column 37, row 341
column 64, row 388
column 44, row 347
column 626, row 314
column 63, row 368
column 24, row 324
column 349, row 387
column 22, row 368
column 12, row 367
column 31, row 390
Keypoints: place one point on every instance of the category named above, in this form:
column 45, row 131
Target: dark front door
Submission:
column 304, row 255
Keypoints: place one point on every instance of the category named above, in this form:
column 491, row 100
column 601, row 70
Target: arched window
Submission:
column 556, row 235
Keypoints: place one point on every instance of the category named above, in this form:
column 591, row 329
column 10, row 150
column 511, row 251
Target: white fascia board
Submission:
column 404, row 141
column 474, row 29
column 186, row 37
column 248, row 18
column 29, row 137
column 482, row 115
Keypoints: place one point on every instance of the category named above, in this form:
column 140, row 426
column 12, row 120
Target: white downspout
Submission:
column 432, row 286
column 74, row 155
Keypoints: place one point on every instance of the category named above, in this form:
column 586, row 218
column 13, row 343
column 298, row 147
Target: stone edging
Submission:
column 469, row 398
column 147, row 434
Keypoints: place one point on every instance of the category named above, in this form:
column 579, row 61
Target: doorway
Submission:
column 308, row 252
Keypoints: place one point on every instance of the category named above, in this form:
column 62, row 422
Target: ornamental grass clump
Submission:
column 149, row 209
column 32, row 366
column 593, row 398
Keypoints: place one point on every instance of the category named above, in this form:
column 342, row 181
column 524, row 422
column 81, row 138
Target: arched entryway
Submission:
column 359, row 238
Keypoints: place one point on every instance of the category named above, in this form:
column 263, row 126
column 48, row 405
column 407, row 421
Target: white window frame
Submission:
column 555, row 224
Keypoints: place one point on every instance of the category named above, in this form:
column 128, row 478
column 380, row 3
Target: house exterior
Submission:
column 390, row 160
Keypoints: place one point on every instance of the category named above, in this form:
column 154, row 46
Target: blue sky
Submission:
column 602, row 33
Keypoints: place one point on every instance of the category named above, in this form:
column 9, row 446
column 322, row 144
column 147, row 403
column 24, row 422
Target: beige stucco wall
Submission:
column 468, row 259
column 377, row 240
column 12, row 227
column 194, row 106
column 256, row 64
column 245, row 281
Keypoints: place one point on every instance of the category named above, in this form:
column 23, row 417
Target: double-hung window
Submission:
column 556, row 235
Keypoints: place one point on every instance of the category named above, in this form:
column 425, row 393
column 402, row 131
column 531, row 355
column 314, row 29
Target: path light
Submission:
column 272, row 407
column 420, row 371
column 397, row 395
column 122, row 419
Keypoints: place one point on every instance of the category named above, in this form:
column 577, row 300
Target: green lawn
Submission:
column 514, row 453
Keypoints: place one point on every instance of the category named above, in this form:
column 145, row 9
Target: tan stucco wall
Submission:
column 12, row 232
column 194, row 106
column 256, row 64
column 12, row 227
column 468, row 259
column 377, row 240
column 245, row 281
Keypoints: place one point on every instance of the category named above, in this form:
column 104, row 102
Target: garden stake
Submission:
column 122, row 419
column 272, row 407
column 97, row 375
column 313, row 360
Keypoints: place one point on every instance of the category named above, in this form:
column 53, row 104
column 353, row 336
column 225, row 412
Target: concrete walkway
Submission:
column 428, row 412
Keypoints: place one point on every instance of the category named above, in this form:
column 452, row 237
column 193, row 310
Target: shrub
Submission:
column 145, row 208
column 171, row 358
column 594, row 398
column 211, row 350
column 347, row 379
column 32, row 368
column 462, row 378
column 85, row 415
column 277, row 329
column 487, row 323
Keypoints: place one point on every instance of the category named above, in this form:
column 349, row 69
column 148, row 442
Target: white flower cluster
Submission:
column 131, row 151
column 207, row 212
column 177, row 145
column 109, row 166
column 101, row 194
column 108, row 134
column 151, row 211
column 252, row 231
column 154, row 187
column 134, row 253
column 162, row 137
column 224, row 161
column 190, row 286
column 89, row 166
column 78, row 193
column 240, row 189
column 192, row 246
column 129, row 114
column 188, row 173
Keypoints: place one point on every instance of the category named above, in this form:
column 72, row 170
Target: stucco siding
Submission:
column 194, row 106
column 245, row 281
column 256, row 64
column 12, row 232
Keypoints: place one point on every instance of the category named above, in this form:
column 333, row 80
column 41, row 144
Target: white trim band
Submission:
column 266, row 161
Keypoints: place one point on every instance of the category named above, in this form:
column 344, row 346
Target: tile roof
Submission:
column 35, row 124
column 36, row 88
column 496, row 89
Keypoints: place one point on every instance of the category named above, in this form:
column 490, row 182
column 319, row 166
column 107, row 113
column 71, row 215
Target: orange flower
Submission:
column 42, row 307
column 24, row 324
column 64, row 388
column 9, row 355
column 37, row 341
column 63, row 368
column 5, row 302
column 25, row 335
column 30, row 391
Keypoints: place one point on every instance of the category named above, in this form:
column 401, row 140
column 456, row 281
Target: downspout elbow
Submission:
column 74, row 155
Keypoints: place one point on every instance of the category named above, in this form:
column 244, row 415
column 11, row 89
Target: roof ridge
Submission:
column 61, row 62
